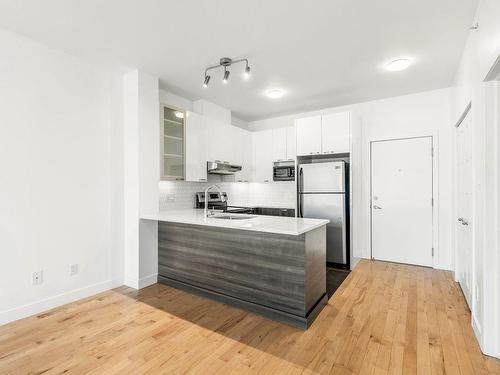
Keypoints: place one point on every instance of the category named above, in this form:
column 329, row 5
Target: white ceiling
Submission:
column 324, row 53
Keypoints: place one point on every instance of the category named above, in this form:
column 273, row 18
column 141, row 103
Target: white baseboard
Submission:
column 476, row 327
column 142, row 282
column 148, row 280
column 486, row 349
column 54, row 301
column 354, row 262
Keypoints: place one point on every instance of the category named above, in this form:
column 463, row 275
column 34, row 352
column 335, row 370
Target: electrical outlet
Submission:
column 73, row 269
column 37, row 277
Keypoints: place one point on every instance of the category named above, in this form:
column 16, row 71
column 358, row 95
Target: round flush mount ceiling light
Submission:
column 275, row 93
column 398, row 65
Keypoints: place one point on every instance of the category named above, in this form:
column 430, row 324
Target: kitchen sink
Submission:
column 232, row 217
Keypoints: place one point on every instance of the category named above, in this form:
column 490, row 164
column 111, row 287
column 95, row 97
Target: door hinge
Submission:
column 432, row 252
column 432, row 151
column 432, row 202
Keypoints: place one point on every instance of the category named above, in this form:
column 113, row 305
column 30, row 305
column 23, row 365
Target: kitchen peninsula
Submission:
column 273, row 266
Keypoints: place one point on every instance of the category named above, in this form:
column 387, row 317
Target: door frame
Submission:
column 435, row 211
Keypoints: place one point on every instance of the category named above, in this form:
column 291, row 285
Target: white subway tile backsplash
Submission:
column 176, row 195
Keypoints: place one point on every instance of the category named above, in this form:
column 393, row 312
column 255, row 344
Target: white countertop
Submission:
column 269, row 224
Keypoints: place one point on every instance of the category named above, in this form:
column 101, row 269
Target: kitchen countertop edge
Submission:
column 266, row 224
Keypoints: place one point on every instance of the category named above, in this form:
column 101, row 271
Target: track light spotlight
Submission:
column 207, row 79
column 246, row 75
column 226, row 76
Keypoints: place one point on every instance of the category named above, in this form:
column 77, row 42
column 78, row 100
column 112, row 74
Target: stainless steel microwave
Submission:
column 284, row 171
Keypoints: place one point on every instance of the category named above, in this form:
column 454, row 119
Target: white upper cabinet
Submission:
column 172, row 144
column 263, row 156
column 219, row 140
column 242, row 150
column 328, row 134
column 335, row 133
column 196, row 150
column 308, row 133
column 279, row 144
column 284, row 144
column 291, row 143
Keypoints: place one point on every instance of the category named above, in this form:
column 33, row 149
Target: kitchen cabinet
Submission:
column 279, row 144
column 172, row 144
column 335, row 133
column 308, row 135
column 208, row 139
column 284, row 144
column 328, row 134
column 291, row 143
column 196, row 148
column 219, row 140
column 242, row 149
column 263, row 156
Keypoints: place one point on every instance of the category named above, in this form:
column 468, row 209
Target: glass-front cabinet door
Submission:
column 172, row 146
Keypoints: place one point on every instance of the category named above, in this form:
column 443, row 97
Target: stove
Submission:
column 218, row 201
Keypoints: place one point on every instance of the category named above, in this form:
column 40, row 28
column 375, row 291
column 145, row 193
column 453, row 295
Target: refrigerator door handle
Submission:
column 300, row 192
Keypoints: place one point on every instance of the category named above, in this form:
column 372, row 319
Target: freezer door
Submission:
column 331, row 207
column 322, row 177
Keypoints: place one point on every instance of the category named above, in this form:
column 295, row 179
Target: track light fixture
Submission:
column 226, row 62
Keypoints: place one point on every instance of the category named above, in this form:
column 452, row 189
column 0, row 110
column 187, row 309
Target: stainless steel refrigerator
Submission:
column 322, row 194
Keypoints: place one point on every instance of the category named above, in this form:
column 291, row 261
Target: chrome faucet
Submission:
column 206, row 197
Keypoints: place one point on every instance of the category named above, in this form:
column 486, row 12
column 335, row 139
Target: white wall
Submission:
column 141, row 170
column 58, row 180
column 426, row 113
column 481, row 51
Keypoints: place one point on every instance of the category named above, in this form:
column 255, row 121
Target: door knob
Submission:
column 375, row 207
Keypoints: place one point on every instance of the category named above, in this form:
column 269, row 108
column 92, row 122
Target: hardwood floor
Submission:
column 385, row 318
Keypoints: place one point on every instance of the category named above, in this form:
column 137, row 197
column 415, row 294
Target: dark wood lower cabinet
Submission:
column 279, row 276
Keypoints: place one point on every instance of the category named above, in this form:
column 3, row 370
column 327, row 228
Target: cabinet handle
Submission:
column 202, row 179
column 311, row 153
column 266, row 180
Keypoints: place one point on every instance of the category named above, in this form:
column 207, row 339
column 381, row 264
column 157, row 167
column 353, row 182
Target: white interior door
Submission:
column 464, row 206
column 401, row 201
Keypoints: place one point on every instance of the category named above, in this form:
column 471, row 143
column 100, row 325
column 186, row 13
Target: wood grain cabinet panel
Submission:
column 271, row 274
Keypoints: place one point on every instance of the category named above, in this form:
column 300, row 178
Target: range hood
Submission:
column 217, row 167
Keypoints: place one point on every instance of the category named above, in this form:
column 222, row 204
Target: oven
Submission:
column 284, row 171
